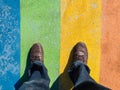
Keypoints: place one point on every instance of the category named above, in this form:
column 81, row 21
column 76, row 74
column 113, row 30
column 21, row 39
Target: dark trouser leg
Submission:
column 79, row 74
column 39, row 79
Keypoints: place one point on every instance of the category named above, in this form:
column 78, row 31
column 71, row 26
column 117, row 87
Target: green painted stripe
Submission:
column 40, row 22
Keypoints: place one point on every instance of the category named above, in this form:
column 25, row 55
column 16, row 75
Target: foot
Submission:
column 36, row 53
column 80, row 52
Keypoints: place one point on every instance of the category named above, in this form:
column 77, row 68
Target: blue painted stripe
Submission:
column 9, row 43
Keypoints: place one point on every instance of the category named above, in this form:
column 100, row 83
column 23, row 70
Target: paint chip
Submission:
column 94, row 5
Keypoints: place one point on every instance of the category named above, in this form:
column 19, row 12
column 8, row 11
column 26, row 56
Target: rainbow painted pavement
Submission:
column 58, row 26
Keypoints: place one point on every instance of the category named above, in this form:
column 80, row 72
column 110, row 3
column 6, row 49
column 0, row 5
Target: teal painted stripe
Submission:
column 9, row 43
column 40, row 22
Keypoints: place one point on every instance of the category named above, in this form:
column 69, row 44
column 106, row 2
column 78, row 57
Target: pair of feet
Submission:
column 80, row 53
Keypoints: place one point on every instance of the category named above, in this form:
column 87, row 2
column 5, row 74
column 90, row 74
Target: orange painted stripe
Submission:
column 110, row 55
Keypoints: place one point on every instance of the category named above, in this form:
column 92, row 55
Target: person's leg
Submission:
column 38, row 79
column 38, row 76
column 38, row 66
column 79, row 71
column 79, row 74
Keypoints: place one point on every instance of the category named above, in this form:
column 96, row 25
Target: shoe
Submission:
column 80, row 52
column 36, row 53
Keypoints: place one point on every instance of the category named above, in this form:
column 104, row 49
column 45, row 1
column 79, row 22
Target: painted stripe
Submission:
column 40, row 22
column 80, row 21
column 9, row 43
column 110, row 58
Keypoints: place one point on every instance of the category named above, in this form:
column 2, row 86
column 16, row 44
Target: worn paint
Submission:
column 9, row 43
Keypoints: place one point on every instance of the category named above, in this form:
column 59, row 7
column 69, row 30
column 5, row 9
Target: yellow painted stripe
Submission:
column 80, row 21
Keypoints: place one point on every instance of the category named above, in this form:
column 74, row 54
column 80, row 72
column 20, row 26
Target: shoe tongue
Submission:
column 80, row 53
